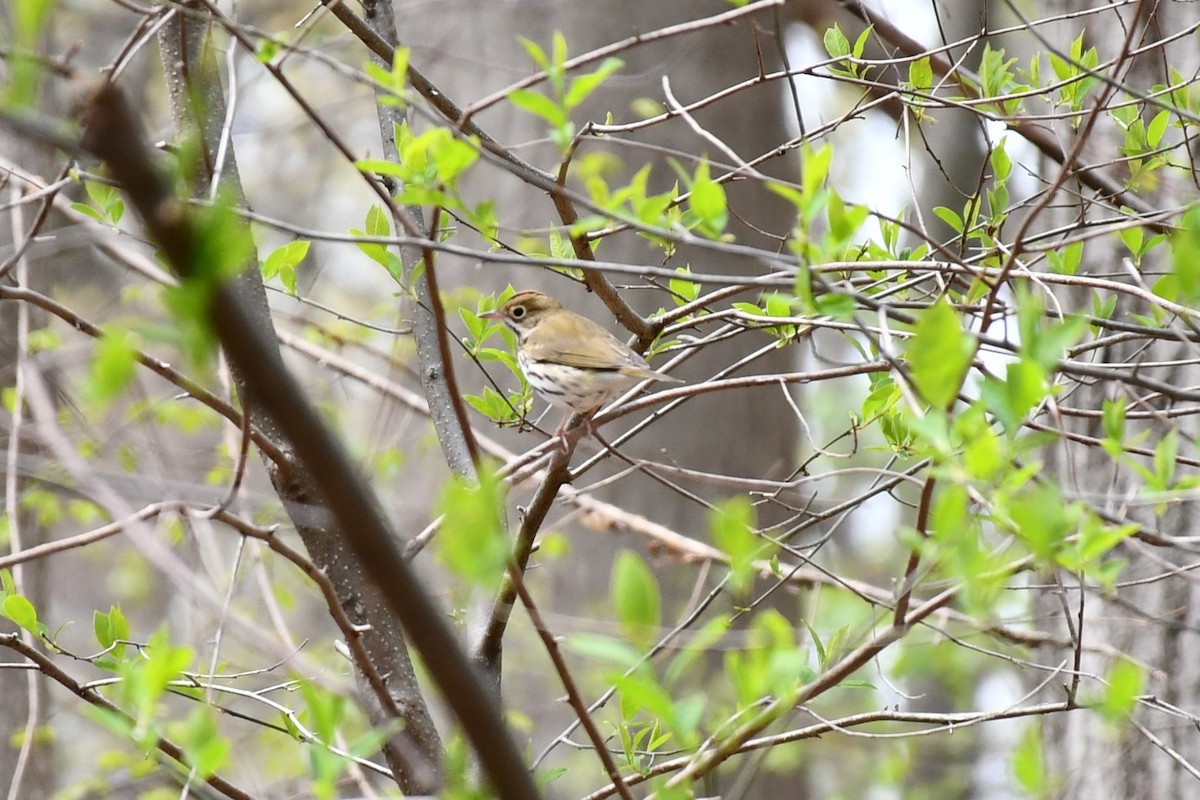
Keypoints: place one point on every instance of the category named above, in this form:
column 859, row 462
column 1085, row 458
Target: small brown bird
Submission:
column 569, row 360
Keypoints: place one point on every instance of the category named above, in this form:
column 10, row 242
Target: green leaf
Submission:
column 535, row 51
column 114, row 364
column 1132, row 237
column 1049, row 345
column 84, row 208
column 771, row 664
column 163, row 662
column 1113, row 414
column 641, row 692
column 635, row 595
column 1157, row 127
column 378, row 225
column 584, row 85
column 325, row 709
column 696, row 646
column 920, row 74
column 289, row 254
column 1185, row 249
column 102, row 629
column 675, row 791
column 686, row 717
column 1066, row 261
column 558, row 50
column 860, row 43
column 1125, row 682
column 400, row 69
column 145, row 679
column 324, row 712
column 222, row 247
column 1042, row 520
column 1097, row 539
column 107, row 205
column 378, row 222
column 982, row 455
column 28, row 19
column 818, row 644
column 45, row 504
column 378, row 166
column 111, row 630
column 1001, row 163
column 939, row 354
column 603, row 648
column 685, row 290
column 484, row 218
column 732, row 526
column 22, row 612
column 836, row 43
column 266, row 50
column 587, row 224
column 539, row 105
column 835, row 305
column 120, row 625
column 1103, row 309
column 1027, row 386
column 85, row 511
column 472, row 541
column 707, row 200
column 1029, row 763
column 995, row 73
column 949, row 512
column 428, row 163
column 950, row 217
column 788, row 193
column 204, row 748
column 844, row 220
column 1168, row 287
column 452, row 156
column 815, row 168
column 283, row 261
column 1164, row 459
column 492, row 405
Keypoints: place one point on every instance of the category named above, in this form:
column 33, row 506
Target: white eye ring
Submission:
column 518, row 312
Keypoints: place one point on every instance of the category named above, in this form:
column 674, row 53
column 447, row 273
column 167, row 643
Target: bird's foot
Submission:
column 562, row 433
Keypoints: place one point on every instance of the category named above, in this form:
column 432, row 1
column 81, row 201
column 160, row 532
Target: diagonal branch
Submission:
column 198, row 105
column 115, row 136
column 48, row 668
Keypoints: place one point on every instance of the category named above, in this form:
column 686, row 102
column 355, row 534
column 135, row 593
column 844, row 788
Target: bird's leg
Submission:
column 585, row 419
column 588, row 428
column 560, row 432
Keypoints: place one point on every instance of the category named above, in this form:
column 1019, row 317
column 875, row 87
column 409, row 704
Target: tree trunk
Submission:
column 748, row 433
column 1154, row 621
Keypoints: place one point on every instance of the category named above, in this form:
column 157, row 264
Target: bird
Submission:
column 571, row 361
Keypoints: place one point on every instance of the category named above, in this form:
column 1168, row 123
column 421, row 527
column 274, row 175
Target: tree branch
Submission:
column 166, row 746
column 114, row 136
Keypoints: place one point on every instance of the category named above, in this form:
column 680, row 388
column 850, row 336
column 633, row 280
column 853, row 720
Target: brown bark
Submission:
column 414, row 755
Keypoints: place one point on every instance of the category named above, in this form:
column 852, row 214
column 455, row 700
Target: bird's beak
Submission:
column 493, row 314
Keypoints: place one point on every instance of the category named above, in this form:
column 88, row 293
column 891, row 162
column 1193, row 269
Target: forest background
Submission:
column 282, row 518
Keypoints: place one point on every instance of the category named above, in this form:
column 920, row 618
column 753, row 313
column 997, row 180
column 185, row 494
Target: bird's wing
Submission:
column 604, row 351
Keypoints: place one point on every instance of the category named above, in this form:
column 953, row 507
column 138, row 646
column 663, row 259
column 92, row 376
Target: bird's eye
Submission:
column 518, row 312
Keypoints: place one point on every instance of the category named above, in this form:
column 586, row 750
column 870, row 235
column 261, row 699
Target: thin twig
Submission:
column 573, row 696
column 161, row 743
